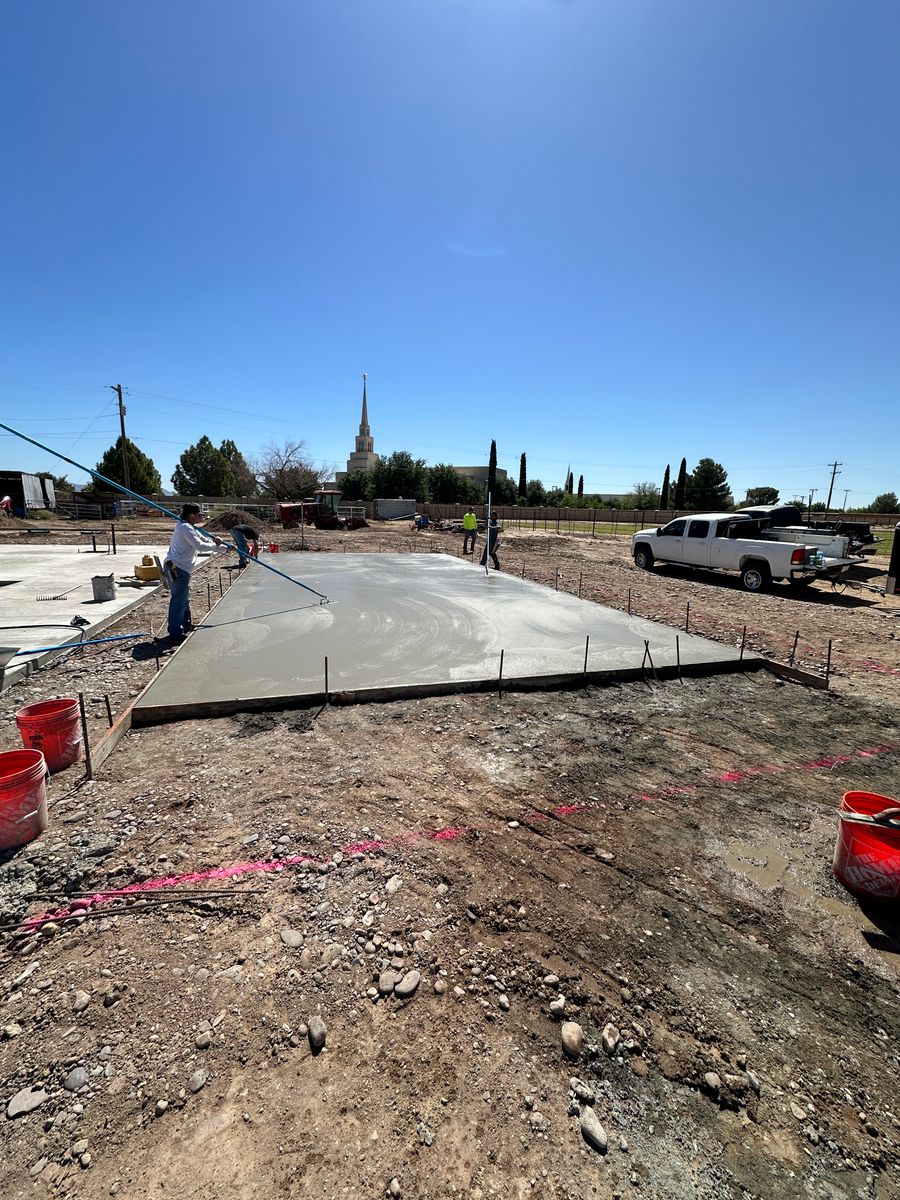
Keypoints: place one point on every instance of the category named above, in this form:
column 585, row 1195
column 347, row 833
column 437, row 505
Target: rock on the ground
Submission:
column 76, row 1079
column 557, row 1007
column 25, row 1101
column 80, row 1001
column 572, row 1038
column 292, row 938
column 609, row 1038
column 407, row 984
column 394, row 1187
column 387, row 981
column 317, row 1033
column 198, row 1079
column 393, row 885
column 593, row 1132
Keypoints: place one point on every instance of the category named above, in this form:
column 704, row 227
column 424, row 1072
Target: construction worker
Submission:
column 470, row 530
column 490, row 546
column 246, row 542
column 181, row 559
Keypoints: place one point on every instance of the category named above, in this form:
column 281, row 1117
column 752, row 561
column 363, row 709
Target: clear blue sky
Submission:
column 608, row 234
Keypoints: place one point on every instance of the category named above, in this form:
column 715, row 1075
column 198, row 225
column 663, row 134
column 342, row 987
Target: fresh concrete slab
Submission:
column 27, row 572
column 400, row 625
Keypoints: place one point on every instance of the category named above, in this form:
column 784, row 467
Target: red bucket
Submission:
column 273, row 547
column 23, row 797
column 53, row 727
column 867, row 852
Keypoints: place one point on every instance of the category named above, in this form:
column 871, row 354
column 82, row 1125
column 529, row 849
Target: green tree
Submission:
column 555, row 497
column 887, row 502
column 707, row 489
column 664, row 494
column 505, row 492
column 760, row 495
column 580, row 485
column 642, row 495
column 681, row 485
column 357, row 486
column 447, row 486
column 536, row 493
column 142, row 474
column 203, row 471
column 60, row 482
column 492, row 469
column 401, row 475
column 523, row 476
column 245, row 483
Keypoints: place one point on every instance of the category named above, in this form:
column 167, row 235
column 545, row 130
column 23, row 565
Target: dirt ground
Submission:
column 656, row 855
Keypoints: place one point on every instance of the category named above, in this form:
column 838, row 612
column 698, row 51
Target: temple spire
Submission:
column 364, row 422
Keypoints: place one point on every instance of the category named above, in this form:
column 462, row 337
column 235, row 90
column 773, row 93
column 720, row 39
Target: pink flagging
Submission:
column 447, row 834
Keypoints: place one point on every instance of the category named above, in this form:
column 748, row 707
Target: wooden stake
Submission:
column 89, row 770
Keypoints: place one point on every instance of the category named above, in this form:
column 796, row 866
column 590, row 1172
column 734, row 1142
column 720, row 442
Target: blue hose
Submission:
column 120, row 637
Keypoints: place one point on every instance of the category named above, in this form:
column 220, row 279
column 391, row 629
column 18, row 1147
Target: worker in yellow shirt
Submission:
column 470, row 530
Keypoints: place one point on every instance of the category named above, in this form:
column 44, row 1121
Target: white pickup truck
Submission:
column 735, row 542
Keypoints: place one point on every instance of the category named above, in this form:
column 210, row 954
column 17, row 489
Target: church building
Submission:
column 363, row 457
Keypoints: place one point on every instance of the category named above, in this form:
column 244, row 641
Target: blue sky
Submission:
column 607, row 234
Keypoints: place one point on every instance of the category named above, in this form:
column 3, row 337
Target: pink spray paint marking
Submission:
column 448, row 834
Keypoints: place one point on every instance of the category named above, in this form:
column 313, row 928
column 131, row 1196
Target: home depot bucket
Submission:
column 867, row 852
column 54, row 728
column 273, row 547
column 23, row 797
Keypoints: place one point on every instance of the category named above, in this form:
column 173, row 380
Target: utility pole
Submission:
column 812, row 492
column 117, row 388
column 846, row 494
column 834, row 473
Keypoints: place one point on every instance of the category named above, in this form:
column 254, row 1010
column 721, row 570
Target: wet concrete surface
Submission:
column 401, row 624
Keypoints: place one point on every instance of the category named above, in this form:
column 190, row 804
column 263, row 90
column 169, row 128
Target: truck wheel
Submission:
column 643, row 559
column 756, row 577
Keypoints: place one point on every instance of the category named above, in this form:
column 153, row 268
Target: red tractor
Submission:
column 321, row 510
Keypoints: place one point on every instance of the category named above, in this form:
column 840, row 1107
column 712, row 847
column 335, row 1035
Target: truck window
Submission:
column 698, row 529
column 673, row 529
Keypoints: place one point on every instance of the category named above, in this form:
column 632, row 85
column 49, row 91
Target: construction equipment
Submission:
column 322, row 510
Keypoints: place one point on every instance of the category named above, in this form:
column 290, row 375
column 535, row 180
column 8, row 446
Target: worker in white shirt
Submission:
column 184, row 550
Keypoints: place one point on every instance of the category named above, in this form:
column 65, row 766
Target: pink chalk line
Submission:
column 447, row 834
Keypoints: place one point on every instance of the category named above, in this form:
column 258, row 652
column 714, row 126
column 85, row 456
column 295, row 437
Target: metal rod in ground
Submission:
column 828, row 664
column 743, row 643
column 557, row 578
column 678, row 656
column 629, row 602
column 208, row 595
column 587, row 644
column 580, row 578
column 326, row 678
column 687, row 617
column 221, row 592
column 649, row 658
column 523, row 568
column 156, row 649
column 114, row 547
column 88, row 767
column 109, row 715
column 794, row 648
column 500, row 676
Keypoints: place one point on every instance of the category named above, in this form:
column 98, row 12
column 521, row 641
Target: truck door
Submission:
column 667, row 545
column 695, row 549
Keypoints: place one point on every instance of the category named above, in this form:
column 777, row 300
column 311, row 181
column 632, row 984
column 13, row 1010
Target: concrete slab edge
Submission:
column 165, row 713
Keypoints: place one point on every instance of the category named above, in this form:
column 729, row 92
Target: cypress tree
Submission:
column 523, row 480
column 492, row 469
column 680, row 485
column 580, row 485
column 664, row 494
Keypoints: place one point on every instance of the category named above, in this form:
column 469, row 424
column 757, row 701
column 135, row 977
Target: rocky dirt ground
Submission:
column 570, row 944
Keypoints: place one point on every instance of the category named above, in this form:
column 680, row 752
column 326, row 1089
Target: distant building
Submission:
column 363, row 457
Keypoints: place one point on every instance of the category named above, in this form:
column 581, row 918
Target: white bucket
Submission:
column 104, row 587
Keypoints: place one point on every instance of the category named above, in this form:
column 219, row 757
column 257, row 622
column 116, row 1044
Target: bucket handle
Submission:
column 889, row 817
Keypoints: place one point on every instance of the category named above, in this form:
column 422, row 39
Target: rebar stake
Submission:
column 587, row 643
column 109, row 715
column 500, row 676
column 794, row 648
column 678, row 658
column 687, row 617
column 828, row 664
column 88, row 766
column 743, row 643
column 326, row 678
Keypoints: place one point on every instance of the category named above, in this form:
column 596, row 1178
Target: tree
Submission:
column 681, row 485
column 285, row 471
column 760, row 495
column 523, row 478
column 492, row 469
column 536, row 493
column 887, row 502
column 448, row 486
column 505, row 492
column 142, row 474
column 664, row 494
column 401, row 475
column 60, row 482
column 244, row 480
column 555, row 497
column 708, row 490
column 570, row 486
column 580, row 485
column 203, row 471
column 643, row 495
column 357, row 486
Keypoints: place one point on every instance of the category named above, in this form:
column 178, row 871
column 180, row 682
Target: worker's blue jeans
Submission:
column 179, row 601
column 469, row 535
